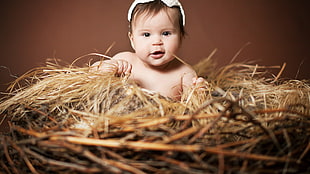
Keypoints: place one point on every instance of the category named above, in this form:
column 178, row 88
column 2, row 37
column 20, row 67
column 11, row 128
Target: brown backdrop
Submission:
column 33, row 30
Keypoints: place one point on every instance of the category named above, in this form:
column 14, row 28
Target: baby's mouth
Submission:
column 157, row 54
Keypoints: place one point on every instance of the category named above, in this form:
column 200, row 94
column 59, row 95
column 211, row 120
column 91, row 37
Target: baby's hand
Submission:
column 199, row 81
column 117, row 66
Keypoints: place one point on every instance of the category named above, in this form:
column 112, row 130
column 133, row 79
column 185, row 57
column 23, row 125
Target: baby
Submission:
column 156, row 33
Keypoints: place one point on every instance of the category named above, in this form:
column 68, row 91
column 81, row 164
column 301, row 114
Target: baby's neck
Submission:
column 172, row 65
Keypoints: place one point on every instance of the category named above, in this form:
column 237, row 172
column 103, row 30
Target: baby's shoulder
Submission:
column 185, row 68
column 187, row 73
column 126, row 55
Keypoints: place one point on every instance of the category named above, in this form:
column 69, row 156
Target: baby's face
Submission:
column 156, row 39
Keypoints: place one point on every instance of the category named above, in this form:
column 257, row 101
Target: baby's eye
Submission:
column 146, row 34
column 166, row 33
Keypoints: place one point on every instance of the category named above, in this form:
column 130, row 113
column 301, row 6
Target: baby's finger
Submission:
column 119, row 65
column 128, row 68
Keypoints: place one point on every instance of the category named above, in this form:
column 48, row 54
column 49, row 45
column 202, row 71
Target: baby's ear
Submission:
column 130, row 36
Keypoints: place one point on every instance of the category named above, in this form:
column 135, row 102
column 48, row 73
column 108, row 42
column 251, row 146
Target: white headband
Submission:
column 169, row 3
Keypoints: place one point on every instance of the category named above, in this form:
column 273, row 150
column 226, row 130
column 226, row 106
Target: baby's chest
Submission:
column 159, row 82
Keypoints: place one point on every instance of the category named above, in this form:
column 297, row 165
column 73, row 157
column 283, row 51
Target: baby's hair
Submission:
column 153, row 8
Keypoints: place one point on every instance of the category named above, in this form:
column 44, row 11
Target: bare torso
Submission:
column 168, row 80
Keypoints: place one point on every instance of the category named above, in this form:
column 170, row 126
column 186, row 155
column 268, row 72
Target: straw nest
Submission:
column 243, row 120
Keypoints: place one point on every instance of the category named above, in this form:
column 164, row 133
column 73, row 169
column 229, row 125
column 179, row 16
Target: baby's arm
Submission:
column 116, row 65
column 190, row 79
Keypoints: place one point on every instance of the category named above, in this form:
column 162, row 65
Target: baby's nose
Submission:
column 157, row 41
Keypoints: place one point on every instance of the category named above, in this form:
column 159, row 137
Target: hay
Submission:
column 68, row 119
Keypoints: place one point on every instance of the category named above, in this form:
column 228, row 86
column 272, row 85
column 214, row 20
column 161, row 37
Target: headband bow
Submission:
column 169, row 3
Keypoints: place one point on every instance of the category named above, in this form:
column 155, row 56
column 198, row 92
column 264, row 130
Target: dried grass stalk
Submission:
column 68, row 119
